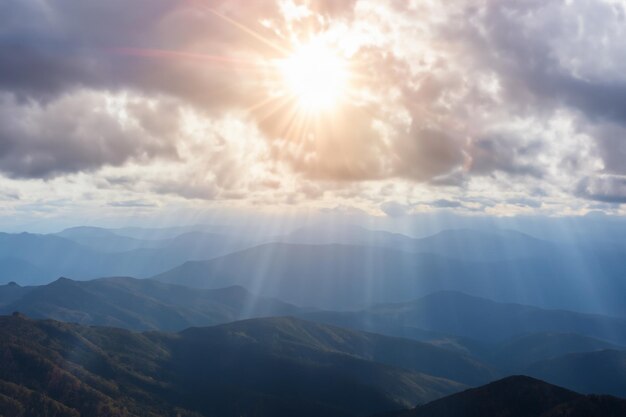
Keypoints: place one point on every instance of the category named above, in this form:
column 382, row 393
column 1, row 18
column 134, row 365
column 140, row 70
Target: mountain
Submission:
column 264, row 367
column 329, row 276
column 53, row 256
column 402, row 353
column 476, row 245
column 15, row 269
column 87, row 253
column 519, row 396
column 106, row 240
column 160, row 233
column 517, row 353
column 347, row 234
column 458, row 314
column 30, row 254
column 464, row 244
column 589, row 372
column 150, row 305
column 349, row 277
column 11, row 292
column 355, row 267
column 185, row 246
column 137, row 304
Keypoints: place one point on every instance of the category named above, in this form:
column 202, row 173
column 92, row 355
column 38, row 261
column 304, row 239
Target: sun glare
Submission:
column 316, row 75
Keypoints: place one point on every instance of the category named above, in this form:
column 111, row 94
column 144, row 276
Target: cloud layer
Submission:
column 487, row 105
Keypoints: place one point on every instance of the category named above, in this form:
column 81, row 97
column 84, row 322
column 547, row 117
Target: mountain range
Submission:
column 261, row 367
column 264, row 367
column 343, row 267
column 601, row 371
column 477, row 318
column 137, row 304
column 32, row 259
column 519, row 396
column 466, row 339
column 338, row 276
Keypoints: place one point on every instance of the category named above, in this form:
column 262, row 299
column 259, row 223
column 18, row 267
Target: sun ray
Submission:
column 299, row 94
column 244, row 28
column 171, row 54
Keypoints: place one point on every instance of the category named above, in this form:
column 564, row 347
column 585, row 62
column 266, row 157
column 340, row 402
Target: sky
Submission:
column 136, row 108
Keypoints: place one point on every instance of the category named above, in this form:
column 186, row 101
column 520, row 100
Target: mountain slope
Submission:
column 105, row 240
column 33, row 259
column 18, row 270
column 397, row 352
column 12, row 292
column 327, row 276
column 138, row 304
column 151, row 305
column 519, row 352
column 348, row 277
column 258, row 368
column 459, row 314
column 518, row 396
column 486, row 246
column 589, row 372
column 464, row 244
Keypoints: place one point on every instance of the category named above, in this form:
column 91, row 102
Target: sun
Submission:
column 316, row 75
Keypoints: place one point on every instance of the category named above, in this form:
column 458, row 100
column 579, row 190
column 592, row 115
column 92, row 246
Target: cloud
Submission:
column 524, row 202
column 394, row 209
column 443, row 203
column 82, row 132
column 511, row 155
column 605, row 188
column 427, row 153
column 132, row 203
column 173, row 99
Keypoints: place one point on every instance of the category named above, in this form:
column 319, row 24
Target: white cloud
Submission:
column 480, row 103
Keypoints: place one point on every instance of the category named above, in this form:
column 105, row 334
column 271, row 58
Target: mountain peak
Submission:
column 514, row 396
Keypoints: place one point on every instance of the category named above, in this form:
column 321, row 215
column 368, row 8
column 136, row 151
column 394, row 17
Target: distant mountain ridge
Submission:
column 517, row 353
column 594, row 372
column 462, row 244
column 32, row 259
column 137, row 304
column 459, row 314
column 337, row 276
column 354, row 266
